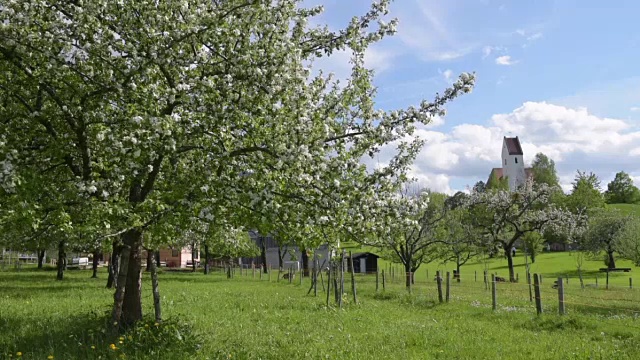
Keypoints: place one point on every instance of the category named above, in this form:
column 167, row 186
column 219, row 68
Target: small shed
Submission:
column 365, row 262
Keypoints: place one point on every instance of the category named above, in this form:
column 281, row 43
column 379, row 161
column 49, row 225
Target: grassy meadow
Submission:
column 211, row 317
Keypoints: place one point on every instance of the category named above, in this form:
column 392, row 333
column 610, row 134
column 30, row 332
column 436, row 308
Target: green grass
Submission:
column 245, row 318
column 626, row 208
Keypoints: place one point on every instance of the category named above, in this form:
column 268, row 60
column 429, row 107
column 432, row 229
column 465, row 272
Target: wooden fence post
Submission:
column 475, row 275
column 536, row 286
column 377, row 279
column 630, row 283
column 383, row 281
column 596, row 280
column 408, row 277
column 439, row 281
column 517, row 277
column 567, row 277
column 494, row 300
column 530, row 290
column 448, row 282
column 353, row 280
column 301, row 275
column 269, row 272
column 560, row 296
column 486, row 284
column 329, row 280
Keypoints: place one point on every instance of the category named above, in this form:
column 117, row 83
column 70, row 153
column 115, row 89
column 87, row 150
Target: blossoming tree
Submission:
column 504, row 217
column 146, row 109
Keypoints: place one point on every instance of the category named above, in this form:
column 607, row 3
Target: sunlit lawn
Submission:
column 246, row 318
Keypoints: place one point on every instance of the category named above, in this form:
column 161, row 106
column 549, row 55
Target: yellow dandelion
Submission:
column 18, row 354
column 156, row 324
column 50, row 357
column 120, row 342
column 121, row 338
column 113, row 347
column 93, row 347
column 146, row 326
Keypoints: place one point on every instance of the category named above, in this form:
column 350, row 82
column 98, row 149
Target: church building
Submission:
column 512, row 164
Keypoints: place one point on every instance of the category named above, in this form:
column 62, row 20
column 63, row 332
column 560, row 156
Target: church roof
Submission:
column 513, row 145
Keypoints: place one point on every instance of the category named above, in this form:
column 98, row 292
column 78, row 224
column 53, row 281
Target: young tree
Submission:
column 479, row 186
column 140, row 118
column 504, row 217
column 461, row 239
column 621, row 190
column 605, row 231
column 585, row 194
column 533, row 242
column 544, row 171
column 413, row 229
column 628, row 245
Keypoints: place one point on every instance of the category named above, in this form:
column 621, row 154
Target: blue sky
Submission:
column 562, row 75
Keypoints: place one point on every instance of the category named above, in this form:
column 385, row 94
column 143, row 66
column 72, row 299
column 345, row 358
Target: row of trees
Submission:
column 491, row 219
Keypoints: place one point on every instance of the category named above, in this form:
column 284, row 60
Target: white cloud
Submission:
column 534, row 36
column 634, row 108
column 447, row 75
column 426, row 30
column 505, row 60
column 573, row 138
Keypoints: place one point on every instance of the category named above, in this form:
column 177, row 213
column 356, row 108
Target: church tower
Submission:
column 513, row 162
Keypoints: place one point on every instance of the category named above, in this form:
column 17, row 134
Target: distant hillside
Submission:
column 626, row 208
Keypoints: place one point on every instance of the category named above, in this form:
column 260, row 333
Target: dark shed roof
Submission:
column 364, row 254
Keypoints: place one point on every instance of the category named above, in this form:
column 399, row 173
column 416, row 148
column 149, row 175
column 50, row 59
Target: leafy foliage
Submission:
column 544, row 171
column 495, row 183
column 606, row 229
column 585, row 194
column 621, row 190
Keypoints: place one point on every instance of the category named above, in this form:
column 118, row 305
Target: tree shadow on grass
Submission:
column 86, row 337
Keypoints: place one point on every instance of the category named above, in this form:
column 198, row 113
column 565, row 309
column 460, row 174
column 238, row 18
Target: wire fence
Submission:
column 614, row 304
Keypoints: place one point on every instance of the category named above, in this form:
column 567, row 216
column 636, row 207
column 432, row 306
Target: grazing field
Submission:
column 249, row 318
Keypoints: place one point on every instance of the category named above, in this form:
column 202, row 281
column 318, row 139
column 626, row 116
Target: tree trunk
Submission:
column 194, row 251
column 458, row 270
column 305, row 261
column 206, row 259
column 280, row 257
column 95, row 264
column 127, row 308
column 62, row 261
column 508, row 253
column 407, row 273
column 113, row 265
column 263, row 256
column 41, row 255
column 612, row 261
column 150, row 260
column 156, row 254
